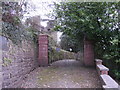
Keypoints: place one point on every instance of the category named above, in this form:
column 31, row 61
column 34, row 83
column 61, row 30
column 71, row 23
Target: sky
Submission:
column 42, row 7
column 39, row 7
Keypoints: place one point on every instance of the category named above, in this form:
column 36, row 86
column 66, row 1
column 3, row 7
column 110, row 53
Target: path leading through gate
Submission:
column 63, row 74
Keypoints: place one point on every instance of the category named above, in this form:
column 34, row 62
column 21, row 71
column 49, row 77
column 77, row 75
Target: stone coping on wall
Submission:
column 110, row 83
column 107, row 81
column 102, row 67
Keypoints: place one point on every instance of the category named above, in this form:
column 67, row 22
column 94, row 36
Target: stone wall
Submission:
column 79, row 56
column 0, row 66
column 56, row 54
column 17, row 62
column 0, row 49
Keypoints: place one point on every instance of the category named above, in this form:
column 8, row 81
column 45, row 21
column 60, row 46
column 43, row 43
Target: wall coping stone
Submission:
column 106, row 80
column 98, row 60
column 102, row 68
column 109, row 82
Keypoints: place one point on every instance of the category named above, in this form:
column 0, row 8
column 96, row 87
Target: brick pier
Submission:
column 43, row 50
column 88, row 53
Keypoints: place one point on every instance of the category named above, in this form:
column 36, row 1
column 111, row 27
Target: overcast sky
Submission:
column 41, row 7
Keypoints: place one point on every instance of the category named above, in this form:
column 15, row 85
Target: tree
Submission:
column 67, row 42
column 97, row 21
column 12, row 27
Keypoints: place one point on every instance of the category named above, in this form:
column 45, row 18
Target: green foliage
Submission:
column 14, row 33
column 117, row 74
column 68, row 42
column 32, row 34
column 11, row 21
column 113, row 58
column 90, row 19
column 12, row 26
column 51, row 41
column 56, row 53
column 97, row 21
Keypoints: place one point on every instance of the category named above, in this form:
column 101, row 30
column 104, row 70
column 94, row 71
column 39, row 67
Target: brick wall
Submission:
column 17, row 62
column 49, row 52
column 43, row 50
column 88, row 53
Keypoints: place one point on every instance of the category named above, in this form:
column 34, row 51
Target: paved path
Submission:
column 63, row 74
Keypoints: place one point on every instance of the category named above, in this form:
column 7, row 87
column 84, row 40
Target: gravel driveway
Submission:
column 63, row 74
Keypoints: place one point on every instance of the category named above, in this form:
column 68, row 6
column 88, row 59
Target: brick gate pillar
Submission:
column 43, row 50
column 88, row 53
